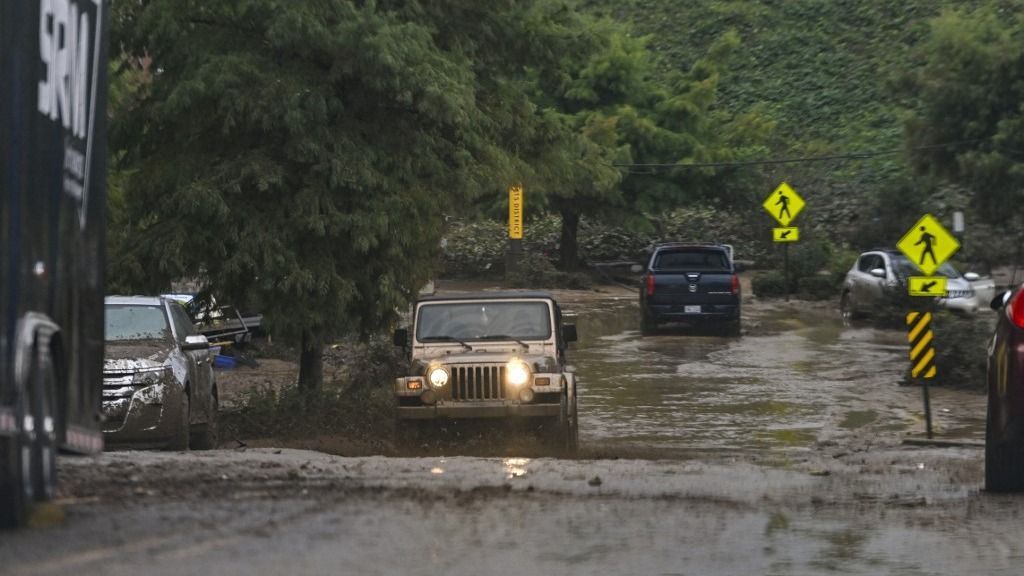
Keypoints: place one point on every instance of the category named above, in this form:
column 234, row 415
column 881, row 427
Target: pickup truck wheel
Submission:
column 647, row 325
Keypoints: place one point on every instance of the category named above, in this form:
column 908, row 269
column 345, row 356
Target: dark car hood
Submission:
column 135, row 356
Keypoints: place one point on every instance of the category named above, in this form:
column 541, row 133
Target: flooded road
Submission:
column 797, row 379
column 778, row 452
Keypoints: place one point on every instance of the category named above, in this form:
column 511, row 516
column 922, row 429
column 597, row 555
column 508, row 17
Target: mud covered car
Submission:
column 158, row 382
column 489, row 355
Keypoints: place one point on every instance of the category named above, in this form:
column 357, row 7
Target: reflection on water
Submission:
column 515, row 467
column 676, row 394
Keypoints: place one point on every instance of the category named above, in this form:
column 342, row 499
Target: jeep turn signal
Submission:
column 414, row 384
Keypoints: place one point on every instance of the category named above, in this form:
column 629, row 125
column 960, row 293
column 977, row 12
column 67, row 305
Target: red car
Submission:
column 1004, row 430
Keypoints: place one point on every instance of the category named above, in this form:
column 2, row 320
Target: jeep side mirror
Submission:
column 738, row 267
column 636, row 268
column 401, row 337
column 569, row 333
column 878, row 272
column 1000, row 300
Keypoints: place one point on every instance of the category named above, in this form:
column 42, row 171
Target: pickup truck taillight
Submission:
column 735, row 284
column 650, row 284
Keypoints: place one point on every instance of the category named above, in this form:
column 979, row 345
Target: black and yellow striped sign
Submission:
column 922, row 353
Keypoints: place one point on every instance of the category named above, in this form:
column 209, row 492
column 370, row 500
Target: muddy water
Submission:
column 796, row 379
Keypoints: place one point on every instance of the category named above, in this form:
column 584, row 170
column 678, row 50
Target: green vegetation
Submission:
column 970, row 91
column 842, row 77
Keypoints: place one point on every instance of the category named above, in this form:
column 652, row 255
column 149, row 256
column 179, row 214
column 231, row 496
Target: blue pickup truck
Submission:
column 694, row 284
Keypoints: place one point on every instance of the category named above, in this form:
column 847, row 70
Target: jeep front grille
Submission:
column 478, row 382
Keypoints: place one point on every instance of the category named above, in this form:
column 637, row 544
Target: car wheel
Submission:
column 1004, row 463
column 179, row 441
column 207, row 435
column 846, row 309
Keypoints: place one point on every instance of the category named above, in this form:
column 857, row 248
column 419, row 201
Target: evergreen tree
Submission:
column 300, row 155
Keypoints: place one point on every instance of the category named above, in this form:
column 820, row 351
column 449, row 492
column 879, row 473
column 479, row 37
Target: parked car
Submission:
column 1004, row 428
column 880, row 276
column 489, row 356
column 694, row 284
column 158, row 383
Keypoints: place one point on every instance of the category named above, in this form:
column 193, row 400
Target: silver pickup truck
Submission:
column 489, row 355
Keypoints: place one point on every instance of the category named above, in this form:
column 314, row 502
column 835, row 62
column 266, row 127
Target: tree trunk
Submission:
column 311, row 364
column 568, row 254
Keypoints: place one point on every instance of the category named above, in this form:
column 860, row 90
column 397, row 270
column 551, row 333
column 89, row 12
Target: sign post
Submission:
column 515, row 228
column 784, row 204
column 927, row 245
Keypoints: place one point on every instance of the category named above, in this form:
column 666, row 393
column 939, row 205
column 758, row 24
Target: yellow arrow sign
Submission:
column 927, row 244
column 784, row 204
column 786, row 234
column 927, row 285
column 515, row 212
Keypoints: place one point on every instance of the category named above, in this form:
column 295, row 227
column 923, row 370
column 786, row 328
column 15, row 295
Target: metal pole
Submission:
column 927, row 407
column 785, row 273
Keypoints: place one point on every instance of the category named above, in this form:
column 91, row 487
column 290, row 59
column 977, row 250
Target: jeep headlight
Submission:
column 517, row 373
column 438, row 377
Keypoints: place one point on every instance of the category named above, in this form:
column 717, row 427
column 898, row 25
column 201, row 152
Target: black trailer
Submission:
column 53, row 83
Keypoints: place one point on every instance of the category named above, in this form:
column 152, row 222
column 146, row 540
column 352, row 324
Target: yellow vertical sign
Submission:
column 515, row 212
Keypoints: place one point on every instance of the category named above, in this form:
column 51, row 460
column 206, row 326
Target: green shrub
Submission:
column 961, row 348
column 817, row 287
column 807, row 258
column 537, row 271
column 840, row 263
column 770, row 284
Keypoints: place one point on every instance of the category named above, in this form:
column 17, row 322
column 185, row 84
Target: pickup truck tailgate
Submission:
column 675, row 288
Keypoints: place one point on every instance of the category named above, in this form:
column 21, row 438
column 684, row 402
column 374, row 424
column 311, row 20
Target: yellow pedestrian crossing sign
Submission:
column 784, row 204
column 927, row 244
column 927, row 285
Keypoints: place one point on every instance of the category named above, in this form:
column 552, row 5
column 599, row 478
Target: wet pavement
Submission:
column 795, row 380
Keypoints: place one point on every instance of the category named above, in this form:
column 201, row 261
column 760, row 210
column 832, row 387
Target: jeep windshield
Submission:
column 489, row 320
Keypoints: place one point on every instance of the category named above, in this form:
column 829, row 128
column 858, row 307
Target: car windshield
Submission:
column 904, row 268
column 468, row 321
column 127, row 323
column 691, row 260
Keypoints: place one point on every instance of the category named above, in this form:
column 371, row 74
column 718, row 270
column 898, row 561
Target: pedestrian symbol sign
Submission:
column 928, row 244
column 784, row 204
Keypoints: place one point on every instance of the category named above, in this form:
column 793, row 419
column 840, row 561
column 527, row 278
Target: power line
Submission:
column 825, row 158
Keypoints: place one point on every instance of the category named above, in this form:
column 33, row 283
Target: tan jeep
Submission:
column 489, row 355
